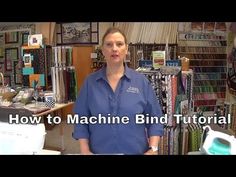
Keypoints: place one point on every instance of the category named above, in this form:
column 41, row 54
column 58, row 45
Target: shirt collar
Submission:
column 102, row 73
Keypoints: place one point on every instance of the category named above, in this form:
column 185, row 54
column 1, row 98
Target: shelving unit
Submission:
column 207, row 54
column 141, row 51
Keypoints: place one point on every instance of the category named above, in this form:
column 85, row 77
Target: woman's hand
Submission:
column 86, row 153
column 84, row 147
column 151, row 152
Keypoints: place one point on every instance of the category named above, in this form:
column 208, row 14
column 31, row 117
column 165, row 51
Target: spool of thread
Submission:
column 185, row 64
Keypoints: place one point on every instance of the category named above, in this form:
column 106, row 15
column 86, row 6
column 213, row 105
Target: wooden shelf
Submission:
column 31, row 47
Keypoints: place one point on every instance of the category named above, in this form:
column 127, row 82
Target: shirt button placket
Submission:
column 115, row 107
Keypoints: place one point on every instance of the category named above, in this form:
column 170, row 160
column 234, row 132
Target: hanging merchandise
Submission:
column 72, row 86
column 53, row 75
column 64, row 84
column 61, row 85
column 169, row 89
column 58, row 84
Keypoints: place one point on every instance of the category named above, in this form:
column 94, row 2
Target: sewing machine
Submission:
column 21, row 138
column 217, row 143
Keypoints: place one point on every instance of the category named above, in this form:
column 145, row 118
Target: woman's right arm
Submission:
column 81, row 108
column 84, row 147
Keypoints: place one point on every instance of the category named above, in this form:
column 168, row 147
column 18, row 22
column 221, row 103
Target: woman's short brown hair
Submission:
column 112, row 30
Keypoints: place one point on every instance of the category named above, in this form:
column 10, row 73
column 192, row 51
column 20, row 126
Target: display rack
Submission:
column 141, row 51
column 207, row 54
column 171, row 87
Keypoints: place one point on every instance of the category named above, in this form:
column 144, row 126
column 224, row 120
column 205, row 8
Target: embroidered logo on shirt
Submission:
column 132, row 90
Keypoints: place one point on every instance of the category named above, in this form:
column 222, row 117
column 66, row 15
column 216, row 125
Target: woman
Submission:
column 119, row 94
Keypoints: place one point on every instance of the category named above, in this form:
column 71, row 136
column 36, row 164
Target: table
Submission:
column 57, row 107
column 59, row 110
column 48, row 152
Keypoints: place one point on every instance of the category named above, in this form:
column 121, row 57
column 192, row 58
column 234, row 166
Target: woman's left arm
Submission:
column 154, row 130
column 153, row 144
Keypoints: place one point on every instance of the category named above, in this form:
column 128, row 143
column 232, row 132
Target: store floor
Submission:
column 53, row 139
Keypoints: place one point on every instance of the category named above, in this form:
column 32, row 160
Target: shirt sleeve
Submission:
column 81, row 109
column 153, row 109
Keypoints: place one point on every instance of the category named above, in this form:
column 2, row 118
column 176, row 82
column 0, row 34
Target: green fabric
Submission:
column 178, row 100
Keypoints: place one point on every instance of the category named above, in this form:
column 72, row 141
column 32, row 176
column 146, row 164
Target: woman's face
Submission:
column 114, row 48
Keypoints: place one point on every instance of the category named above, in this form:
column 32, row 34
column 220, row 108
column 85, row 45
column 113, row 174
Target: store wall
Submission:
column 103, row 26
column 10, row 50
column 48, row 31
